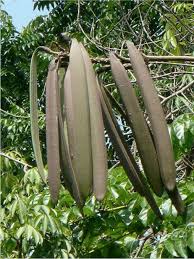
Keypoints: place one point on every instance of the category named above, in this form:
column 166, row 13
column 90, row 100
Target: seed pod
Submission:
column 99, row 156
column 78, row 121
column 116, row 125
column 61, row 77
column 132, row 174
column 34, row 115
column 52, row 137
column 67, row 170
column 156, row 116
column 139, row 126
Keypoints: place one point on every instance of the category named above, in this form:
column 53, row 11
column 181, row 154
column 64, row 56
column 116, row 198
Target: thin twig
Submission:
column 142, row 245
column 47, row 50
column 115, row 209
column 114, row 166
column 14, row 115
column 172, row 63
column 15, row 160
column 178, row 92
column 168, row 58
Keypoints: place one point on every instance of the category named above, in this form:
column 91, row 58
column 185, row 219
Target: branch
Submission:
column 14, row 115
column 178, row 73
column 168, row 58
column 104, row 60
column 114, row 166
column 115, row 209
column 15, row 160
column 107, row 67
column 142, row 245
column 47, row 50
column 178, row 92
column 173, row 63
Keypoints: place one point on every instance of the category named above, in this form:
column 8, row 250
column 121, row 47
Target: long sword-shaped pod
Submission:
column 78, row 121
column 67, row 170
column 134, row 176
column 34, row 115
column 158, row 125
column 52, row 134
column 138, row 125
column 99, row 156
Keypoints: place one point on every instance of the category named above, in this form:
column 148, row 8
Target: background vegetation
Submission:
column 123, row 225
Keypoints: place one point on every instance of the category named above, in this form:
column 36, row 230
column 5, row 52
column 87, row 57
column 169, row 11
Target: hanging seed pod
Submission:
column 157, row 119
column 124, row 158
column 34, row 115
column 116, row 125
column 66, row 166
column 78, row 121
column 139, row 126
column 99, row 156
column 52, row 137
column 61, row 77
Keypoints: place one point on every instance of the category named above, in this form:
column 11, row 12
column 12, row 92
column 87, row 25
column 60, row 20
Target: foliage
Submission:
column 182, row 134
column 122, row 225
column 31, row 226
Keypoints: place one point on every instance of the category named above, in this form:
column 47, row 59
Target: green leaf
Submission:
column 10, row 245
column 167, row 207
column 114, row 193
column 1, row 234
column 20, row 231
column 64, row 254
column 45, row 209
column 153, row 254
column 169, row 245
column 2, row 214
column 32, row 176
column 190, row 213
column 44, row 224
column 180, row 247
column 71, row 256
column 131, row 243
column 38, row 219
column 37, row 236
column 22, row 210
column 28, row 232
column 173, row 41
column 68, row 246
column 190, row 240
column 88, row 210
column 182, row 133
column 13, row 207
column 52, row 224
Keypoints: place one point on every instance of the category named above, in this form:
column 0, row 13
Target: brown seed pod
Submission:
column 138, row 125
column 156, row 116
column 132, row 174
column 116, row 125
column 67, row 171
column 52, row 137
column 99, row 156
column 78, row 121
column 34, row 115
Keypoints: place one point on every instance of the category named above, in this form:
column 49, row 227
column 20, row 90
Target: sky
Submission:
column 21, row 11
